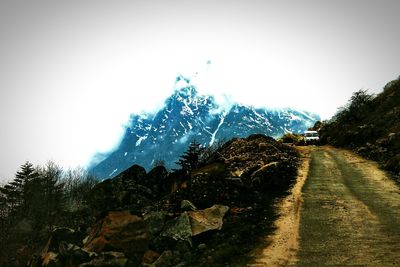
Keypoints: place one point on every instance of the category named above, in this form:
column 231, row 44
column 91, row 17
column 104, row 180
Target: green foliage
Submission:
column 36, row 201
column 370, row 125
column 356, row 109
column 19, row 193
column 191, row 158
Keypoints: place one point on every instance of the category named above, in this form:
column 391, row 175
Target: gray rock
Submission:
column 208, row 219
column 186, row 205
column 155, row 221
column 179, row 228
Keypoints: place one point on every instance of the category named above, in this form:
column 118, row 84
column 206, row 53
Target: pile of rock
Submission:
column 123, row 239
column 178, row 219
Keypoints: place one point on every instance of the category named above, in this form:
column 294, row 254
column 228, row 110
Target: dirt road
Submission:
column 349, row 215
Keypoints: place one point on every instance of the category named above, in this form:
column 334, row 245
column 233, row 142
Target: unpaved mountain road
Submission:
column 347, row 213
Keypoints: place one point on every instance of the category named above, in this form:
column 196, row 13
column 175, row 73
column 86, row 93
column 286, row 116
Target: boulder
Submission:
column 155, row 221
column 261, row 171
column 263, row 177
column 118, row 231
column 208, row 219
column 178, row 228
column 192, row 223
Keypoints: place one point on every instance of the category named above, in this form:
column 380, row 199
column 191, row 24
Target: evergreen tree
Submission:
column 190, row 159
column 19, row 192
column 36, row 197
column 26, row 180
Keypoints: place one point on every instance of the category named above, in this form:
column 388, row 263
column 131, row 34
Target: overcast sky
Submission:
column 71, row 72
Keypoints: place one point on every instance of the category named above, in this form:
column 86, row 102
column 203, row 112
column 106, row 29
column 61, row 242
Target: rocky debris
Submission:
column 62, row 249
column 118, row 231
column 118, row 194
column 237, row 173
column 132, row 190
column 247, row 157
column 205, row 216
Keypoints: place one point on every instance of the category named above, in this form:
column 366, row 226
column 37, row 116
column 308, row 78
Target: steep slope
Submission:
column 370, row 125
column 189, row 116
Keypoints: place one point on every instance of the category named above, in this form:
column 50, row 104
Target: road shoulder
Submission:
column 283, row 244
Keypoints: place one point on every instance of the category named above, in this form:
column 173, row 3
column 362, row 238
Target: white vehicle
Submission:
column 311, row 137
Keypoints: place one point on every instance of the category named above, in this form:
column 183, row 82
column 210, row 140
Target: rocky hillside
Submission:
column 211, row 215
column 370, row 125
column 187, row 116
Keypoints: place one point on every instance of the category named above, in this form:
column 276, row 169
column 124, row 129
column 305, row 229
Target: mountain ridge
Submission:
column 187, row 116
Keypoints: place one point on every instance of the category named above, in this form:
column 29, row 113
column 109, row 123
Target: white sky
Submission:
column 71, row 72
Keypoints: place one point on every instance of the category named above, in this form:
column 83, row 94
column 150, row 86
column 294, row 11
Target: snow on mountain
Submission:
column 189, row 116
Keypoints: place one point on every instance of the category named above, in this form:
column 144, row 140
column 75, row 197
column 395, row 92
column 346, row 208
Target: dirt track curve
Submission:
column 344, row 212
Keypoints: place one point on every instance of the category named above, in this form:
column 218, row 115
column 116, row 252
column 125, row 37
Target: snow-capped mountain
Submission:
column 189, row 116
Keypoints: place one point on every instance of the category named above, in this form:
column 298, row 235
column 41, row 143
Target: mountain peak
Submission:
column 181, row 81
column 188, row 116
column 184, row 88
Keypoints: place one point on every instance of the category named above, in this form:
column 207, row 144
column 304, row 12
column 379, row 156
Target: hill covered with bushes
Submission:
column 370, row 125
